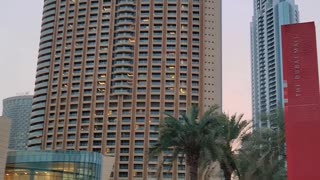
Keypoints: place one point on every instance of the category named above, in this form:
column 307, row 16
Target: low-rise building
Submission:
column 58, row 165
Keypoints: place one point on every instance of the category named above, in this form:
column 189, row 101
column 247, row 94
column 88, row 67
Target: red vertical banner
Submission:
column 301, row 93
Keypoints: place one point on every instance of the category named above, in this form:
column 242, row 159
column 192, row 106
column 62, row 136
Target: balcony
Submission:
column 34, row 142
column 43, row 64
column 37, row 112
column 35, row 134
column 126, row 9
column 122, row 63
column 121, row 84
column 125, row 14
column 36, row 127
column 36, row 120
column 121, row 92
column 121, row 77
column 120, row 2
column 39, row 105
column 122, row 70
column 125, row 21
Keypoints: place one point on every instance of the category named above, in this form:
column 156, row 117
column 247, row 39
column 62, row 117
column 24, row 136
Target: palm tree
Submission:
column 233, row 129
column 193, row 137
column 262, row 155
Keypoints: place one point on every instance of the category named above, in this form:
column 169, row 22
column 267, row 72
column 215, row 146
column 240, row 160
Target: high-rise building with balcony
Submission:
column 18, row 110
column 266, row 59
column 109, row 69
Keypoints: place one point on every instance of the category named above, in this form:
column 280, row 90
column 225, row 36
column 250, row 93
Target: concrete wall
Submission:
column 107, row 167
column 212, row 71
column 4, row 141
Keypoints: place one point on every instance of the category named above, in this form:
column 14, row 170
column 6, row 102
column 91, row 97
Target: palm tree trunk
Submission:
column 226, row 172
column 159, row 171
column 193, row 172
column 192, row 162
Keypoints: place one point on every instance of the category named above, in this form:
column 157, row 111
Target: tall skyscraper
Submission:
column 109, row 69
column 266, row 60
column 18, row 110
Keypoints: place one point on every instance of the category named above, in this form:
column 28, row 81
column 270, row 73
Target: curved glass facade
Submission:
column 18, row 110
column 53, row 165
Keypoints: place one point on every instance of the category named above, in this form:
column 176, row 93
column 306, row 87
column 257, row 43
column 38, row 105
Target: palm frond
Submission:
column 190, row 136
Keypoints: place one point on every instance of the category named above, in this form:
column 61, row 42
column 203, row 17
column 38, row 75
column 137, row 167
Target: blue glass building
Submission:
column 57, row 165
column 18, row 110
column 266, row 58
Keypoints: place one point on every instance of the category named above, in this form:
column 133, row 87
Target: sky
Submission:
column 20, row 23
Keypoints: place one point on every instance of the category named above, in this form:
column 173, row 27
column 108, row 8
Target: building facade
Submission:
column 109, row 69
column 266, row 60
column 4, row 143
column 58, row 165
column 18, row 110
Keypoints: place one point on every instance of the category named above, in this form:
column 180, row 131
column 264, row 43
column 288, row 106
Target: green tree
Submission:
column 193, row 137
column 232, row 129
column 262, row 155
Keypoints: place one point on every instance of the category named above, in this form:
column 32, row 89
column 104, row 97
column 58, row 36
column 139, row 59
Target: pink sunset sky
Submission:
column 20, row 33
